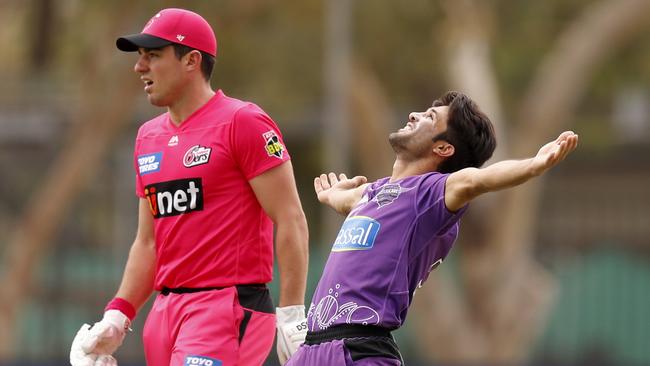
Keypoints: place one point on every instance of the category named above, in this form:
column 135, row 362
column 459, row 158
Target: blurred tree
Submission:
column 372, row 119
column 42, row 34
column 97, row 119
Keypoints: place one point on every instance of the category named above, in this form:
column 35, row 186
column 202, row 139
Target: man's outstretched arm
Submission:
column 466, row 184
column 339, row 192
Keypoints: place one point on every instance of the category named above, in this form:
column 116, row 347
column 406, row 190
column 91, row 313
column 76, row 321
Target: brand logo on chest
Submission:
column 357, row 233
column 173, row 141
column 174, row 197
column 149, row 163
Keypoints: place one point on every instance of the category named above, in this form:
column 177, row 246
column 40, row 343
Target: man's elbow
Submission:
column 292, row 218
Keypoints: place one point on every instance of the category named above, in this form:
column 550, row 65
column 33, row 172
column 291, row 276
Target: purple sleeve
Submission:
column 430, row 204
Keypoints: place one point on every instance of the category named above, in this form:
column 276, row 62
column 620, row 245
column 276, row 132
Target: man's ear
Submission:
column 193, row 59
column 443, row 149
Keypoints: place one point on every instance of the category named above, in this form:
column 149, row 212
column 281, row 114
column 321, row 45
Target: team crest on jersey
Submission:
column 389, row 193
column 149, row 163
column 272, row 144
column 201, row 361
column 196, row 155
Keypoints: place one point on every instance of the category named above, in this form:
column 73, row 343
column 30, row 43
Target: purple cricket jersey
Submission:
column 397, row 233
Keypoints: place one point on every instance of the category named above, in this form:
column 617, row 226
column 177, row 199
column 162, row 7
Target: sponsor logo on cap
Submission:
column 196, row 155
column 272, row 144
column 357, row 233
column 201, row 361
column 174, row 197
column 149, row 163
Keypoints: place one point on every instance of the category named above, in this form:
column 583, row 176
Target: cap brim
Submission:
column 133, row 42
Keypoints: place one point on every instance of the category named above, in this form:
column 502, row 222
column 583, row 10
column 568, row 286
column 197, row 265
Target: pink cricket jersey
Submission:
column 210, row 229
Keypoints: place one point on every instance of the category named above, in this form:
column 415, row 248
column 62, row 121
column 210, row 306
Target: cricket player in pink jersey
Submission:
column 213, row 176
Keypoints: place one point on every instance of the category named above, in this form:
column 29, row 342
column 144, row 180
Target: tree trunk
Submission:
column 371, row 122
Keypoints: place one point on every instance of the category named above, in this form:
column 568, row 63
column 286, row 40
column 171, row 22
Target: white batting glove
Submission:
column 78, row 357
column 106, row 335
column 292, row 329
column 106, row 360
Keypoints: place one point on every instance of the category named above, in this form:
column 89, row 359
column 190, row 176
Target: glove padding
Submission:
column 292, row 329
column 93, row 346
column 107, row 335
column 106, row 360
column 77, row 355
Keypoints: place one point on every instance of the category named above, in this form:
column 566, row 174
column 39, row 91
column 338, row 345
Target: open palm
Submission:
column 334, row 190
column 555, row 151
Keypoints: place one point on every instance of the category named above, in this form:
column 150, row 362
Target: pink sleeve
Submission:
column 139, row 189
column 256, row 142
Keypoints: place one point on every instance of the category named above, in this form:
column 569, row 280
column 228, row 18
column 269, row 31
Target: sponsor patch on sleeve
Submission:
column 201, row 361
column 272, row 144
column 149, row 163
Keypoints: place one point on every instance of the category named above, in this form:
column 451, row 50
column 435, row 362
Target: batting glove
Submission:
column 106, row 335
column 292, row 329
column 106, row 360
column 78, row 357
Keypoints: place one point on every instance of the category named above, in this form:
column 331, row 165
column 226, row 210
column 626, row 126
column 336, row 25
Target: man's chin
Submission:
column 397, row 140
column 157, row 102
column 399, row 135
column 394, row 135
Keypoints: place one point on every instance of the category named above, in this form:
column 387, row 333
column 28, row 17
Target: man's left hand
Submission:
column 292, row 330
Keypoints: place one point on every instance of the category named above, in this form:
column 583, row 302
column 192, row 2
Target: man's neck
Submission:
column 190, row 102
column 404, row 168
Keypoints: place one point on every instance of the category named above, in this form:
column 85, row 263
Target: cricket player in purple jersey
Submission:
column 399, row 228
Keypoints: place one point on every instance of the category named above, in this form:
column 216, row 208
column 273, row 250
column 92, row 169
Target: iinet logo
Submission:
column 174, row 197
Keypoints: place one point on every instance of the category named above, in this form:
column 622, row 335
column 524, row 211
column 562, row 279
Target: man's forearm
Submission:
column 342, row 201
column 466, row 184
column 504, row 174
column 138, row 278
column 292, row 254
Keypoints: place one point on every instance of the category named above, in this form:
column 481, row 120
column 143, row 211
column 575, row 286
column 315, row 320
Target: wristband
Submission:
column 122, row 305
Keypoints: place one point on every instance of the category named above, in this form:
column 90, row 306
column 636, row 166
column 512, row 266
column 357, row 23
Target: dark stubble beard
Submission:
column 406, row 146
column 397, row 142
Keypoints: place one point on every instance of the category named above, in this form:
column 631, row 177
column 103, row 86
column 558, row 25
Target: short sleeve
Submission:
column 256, row 142
column 430, row 203
column 436, row 227
column 139, row 188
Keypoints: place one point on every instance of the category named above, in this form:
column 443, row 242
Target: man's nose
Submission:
column 139, row 66
column 413, row 116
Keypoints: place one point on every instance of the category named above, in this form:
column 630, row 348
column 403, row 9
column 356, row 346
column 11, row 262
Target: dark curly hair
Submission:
column 469, row 130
